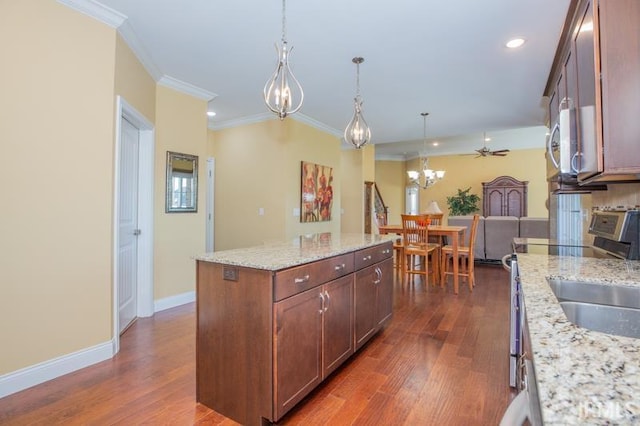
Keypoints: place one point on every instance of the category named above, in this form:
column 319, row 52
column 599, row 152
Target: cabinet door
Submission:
column 583, row 46
column 365, row 304
column 514, row 202
column 297, row 346
column 494, row 202
column 385, row 292
column 337, row 336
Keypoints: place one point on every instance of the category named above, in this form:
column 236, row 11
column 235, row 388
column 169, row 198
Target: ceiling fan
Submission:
column 484, row 151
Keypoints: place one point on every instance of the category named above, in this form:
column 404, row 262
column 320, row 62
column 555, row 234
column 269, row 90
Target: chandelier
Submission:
column 279, row 96
column 357, row 132
column 426, row 177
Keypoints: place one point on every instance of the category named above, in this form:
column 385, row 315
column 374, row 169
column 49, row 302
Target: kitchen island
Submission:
column 583, row 376
column 273, row 321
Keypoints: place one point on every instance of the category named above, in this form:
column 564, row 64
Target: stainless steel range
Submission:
column 617, row 232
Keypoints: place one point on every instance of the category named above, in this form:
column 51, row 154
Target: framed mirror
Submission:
column 182, row 183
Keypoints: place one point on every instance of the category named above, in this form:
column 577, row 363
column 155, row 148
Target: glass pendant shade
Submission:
column 357, row 132
column 283, row 93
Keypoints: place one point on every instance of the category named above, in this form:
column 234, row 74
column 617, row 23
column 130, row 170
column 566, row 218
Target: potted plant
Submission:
column 463, row 203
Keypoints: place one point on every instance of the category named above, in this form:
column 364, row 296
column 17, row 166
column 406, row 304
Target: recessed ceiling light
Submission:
column 487, row 139
column 436, row 143
column 211, row 113
column 515, row 43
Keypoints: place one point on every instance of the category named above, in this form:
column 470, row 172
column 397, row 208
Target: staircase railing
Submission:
column 375, row 210
column 381, row 209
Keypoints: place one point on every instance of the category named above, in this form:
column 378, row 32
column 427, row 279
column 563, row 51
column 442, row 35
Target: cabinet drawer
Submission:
column 294, row 280
column 371, row 255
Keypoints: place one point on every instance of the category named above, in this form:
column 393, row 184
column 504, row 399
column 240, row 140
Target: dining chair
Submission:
column 415, row 239
column 398, row 251
column 436, row 219
column 465, row 256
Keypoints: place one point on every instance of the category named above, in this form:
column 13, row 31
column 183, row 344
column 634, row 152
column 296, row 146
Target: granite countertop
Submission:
column 583, row 376
column 277, row 255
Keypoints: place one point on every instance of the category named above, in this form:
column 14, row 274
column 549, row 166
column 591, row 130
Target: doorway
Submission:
column 133, row 218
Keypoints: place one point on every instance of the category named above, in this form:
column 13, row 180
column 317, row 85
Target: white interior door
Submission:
column 128, row 225
column 412, row 200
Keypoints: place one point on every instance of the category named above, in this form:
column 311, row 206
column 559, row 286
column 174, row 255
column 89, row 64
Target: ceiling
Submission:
column 443, row 57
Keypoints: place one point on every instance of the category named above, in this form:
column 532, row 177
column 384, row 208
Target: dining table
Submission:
column 455, row 234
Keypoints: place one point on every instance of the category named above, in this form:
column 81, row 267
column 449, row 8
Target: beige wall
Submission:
column 181, row 126
column 133, row 83
column 352, row 197
column 259, row 166
column 56, row 127
column 390, row 179
column 463, row 172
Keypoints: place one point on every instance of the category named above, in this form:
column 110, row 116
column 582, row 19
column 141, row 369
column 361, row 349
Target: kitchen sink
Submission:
column 589, row 292
column 604, row 318
column 611, row 309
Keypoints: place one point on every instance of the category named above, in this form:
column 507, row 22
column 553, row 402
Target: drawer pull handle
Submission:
column 322, row 308
column 301, row 280
column 366, row 258
column 339, row 267
column 326, row 294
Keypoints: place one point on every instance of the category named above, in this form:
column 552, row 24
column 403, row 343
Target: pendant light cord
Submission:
column 284, row 23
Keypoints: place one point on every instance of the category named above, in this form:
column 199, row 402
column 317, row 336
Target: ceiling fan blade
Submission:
column 501, row 150
column 499, row 154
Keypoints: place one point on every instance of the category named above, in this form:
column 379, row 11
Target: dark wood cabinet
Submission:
column 314, row 335
column 373, row 300
column 265, row 339
column 599, row 67
column 504, row 196
column 337, row 329
column 298, row 347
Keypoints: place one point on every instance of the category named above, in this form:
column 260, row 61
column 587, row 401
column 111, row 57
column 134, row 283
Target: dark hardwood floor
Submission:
column 443, row 360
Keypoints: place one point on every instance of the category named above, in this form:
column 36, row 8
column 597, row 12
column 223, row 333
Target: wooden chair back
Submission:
column 472, row 235
column 435, row 218
column 414, row 230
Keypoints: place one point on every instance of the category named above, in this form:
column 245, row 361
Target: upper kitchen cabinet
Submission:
column 597, row 73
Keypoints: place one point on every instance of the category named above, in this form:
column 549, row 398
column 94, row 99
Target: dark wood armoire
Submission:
column 504, row 196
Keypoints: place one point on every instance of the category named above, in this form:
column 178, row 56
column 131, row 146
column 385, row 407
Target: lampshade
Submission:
column 433, row 208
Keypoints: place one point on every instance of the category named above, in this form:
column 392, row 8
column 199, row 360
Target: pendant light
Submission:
column 283, row 93
column 357, row 131
column 426, row 177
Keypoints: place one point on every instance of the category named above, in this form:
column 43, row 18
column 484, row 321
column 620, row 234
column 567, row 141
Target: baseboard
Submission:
column 39, row 373
column 173, row 301
column 34, row 375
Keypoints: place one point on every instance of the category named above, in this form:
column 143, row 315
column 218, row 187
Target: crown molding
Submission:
column 317, row 124
column 97, row 11
column 390, row 158
column 266, row 116
column 129, row 36
column 188, row 88
column 120, row 22
column 244, row 121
